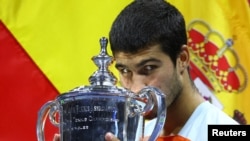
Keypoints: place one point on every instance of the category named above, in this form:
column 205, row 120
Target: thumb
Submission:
column 110, row 137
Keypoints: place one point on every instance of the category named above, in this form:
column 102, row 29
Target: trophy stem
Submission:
column 103, row 76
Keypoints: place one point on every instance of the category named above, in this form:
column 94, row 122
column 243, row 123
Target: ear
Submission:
column 183, row 59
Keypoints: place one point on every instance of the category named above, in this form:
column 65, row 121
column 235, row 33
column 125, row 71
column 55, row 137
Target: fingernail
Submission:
column 109, row 136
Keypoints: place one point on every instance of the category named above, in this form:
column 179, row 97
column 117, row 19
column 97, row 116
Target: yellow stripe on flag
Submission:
column 61, row 36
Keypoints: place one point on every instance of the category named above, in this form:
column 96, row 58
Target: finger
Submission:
column 110, row 137
column 56, row 137
column 144, row 138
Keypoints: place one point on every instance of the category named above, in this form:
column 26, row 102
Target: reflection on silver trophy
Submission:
column 89, row 112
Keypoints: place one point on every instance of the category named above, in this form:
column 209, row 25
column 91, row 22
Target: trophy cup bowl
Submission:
column 87, row 113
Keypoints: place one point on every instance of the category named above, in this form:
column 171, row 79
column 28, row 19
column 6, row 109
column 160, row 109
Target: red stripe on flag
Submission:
column 23, row 90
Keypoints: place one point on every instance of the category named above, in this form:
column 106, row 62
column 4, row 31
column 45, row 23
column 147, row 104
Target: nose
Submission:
column 137, row 83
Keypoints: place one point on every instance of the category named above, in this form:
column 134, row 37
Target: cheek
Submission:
column 163, row 81
column 160, row 81
column 123, row 82
column 163, row 77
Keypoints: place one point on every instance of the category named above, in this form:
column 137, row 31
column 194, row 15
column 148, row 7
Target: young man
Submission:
column 149, row 43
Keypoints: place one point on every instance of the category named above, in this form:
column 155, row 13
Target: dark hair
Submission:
column 147, row 22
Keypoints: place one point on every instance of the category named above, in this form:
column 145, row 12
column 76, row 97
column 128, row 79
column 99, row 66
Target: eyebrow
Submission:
column 143, row 62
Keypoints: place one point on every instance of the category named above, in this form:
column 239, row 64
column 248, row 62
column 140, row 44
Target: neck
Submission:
column 180, row 110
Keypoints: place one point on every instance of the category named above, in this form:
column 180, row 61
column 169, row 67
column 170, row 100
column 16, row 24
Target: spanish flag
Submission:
column 219, row 38
column 46, row 48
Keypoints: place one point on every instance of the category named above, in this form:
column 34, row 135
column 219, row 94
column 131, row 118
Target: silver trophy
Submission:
column 87, row 113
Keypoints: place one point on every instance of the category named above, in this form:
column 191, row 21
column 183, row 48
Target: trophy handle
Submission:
column 155, row 95
column 48, row 108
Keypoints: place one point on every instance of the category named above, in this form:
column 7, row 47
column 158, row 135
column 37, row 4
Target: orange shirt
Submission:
column 172, row 138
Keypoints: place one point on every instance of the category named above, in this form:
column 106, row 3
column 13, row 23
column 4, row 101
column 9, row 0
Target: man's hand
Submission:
column 110, row 137
column 56, row 137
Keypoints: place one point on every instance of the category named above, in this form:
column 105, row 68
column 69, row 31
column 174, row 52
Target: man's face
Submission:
column 149, row 67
